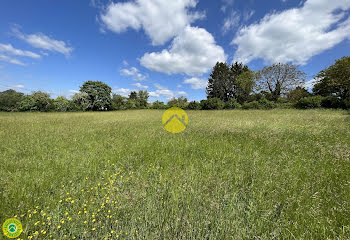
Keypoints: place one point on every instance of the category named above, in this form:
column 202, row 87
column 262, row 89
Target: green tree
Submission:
column 118, row 102
column 194, row 105
column 142, row 99
column 212, row 104
column 223, row 82
column 298, row 93
column 37, row 101
column 62, row 104
column 99, row 95
column 158, row 105
column 133, row 95
column 82, row 100
column 220, row 84
column 279, row 79
column 244, row 85
column 335, row 80
column 9, row 100
column 180, row 102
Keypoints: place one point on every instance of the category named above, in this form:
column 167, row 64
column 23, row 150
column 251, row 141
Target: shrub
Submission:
column 332, row 102
column 263, row 103
column 158, row 105
column 345, row 104
column 82, row 100
column 180, row 102
column 266, row 104
column 232, row 104
column 309, row 102
column 62, row 104
column 37, row 101
column 211, row 104
column 251, row 105
column 285, row 105
column 194, row 105
column 9, row 100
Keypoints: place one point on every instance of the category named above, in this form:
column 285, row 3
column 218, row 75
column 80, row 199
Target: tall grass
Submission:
column 279, row 174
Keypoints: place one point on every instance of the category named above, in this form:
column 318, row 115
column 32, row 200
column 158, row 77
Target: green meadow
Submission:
column 278, row 174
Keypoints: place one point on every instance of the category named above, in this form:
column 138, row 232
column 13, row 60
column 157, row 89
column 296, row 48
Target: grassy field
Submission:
column 279, row 174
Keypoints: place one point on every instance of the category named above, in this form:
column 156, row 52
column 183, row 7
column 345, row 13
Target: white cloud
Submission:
column 164, row 92
column 196, row 83
column 125, row 63
column 193, row 52
column 310, row 84
column 18, row 86
column 9, row 49
column 160, row 19
column 139, row 85
column 5, row 58
column 294, row 35
column 123, row 91
column 247, row 15
column 226, row 4
column 73, row 91
column 134, row 73
column 231, row 21
column 42, row 41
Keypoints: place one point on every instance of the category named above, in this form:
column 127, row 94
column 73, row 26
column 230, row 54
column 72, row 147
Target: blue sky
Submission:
column 165, row 46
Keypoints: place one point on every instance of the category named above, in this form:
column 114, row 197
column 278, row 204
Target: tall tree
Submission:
column 335, row 80
column 298, row 93
column 244, row 86
column 133, row 95
column 99, row 95
column 9, row 100
column 222, row 83
column 279, row 79
column 142, row 99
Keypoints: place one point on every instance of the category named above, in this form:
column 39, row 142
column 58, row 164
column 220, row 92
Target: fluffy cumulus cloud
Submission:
column 123, row 91
column 151, row 15
column 295, row 35
column 196, row 83
column 165, row 92
column 134, row 73
column 139, row 85
column 192, row 52
column 42, row 41
column 9, row 49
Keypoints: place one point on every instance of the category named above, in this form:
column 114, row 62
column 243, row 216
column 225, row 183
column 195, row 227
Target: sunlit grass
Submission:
column 280, row 174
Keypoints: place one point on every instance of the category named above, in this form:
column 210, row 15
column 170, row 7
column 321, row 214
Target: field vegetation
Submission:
column 263, row 174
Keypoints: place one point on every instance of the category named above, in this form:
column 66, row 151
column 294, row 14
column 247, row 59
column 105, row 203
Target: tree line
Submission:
column 232, row 86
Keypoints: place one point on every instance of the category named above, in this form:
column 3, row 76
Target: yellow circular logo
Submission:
column 12, row 228
column 175, row 120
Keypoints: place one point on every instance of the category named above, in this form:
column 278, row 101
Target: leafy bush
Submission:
column 285, row 105
column 251, row 105
column 194, row 105
column 266, row 104
column 82, row 100
column 62, row 104
column 158, row 105
column 9, row 100
column 180, row 102
column 332, row 102
column 309, row 102
column 37, row 101
column 232, row 104
column 212, row 104
column 263, row 103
